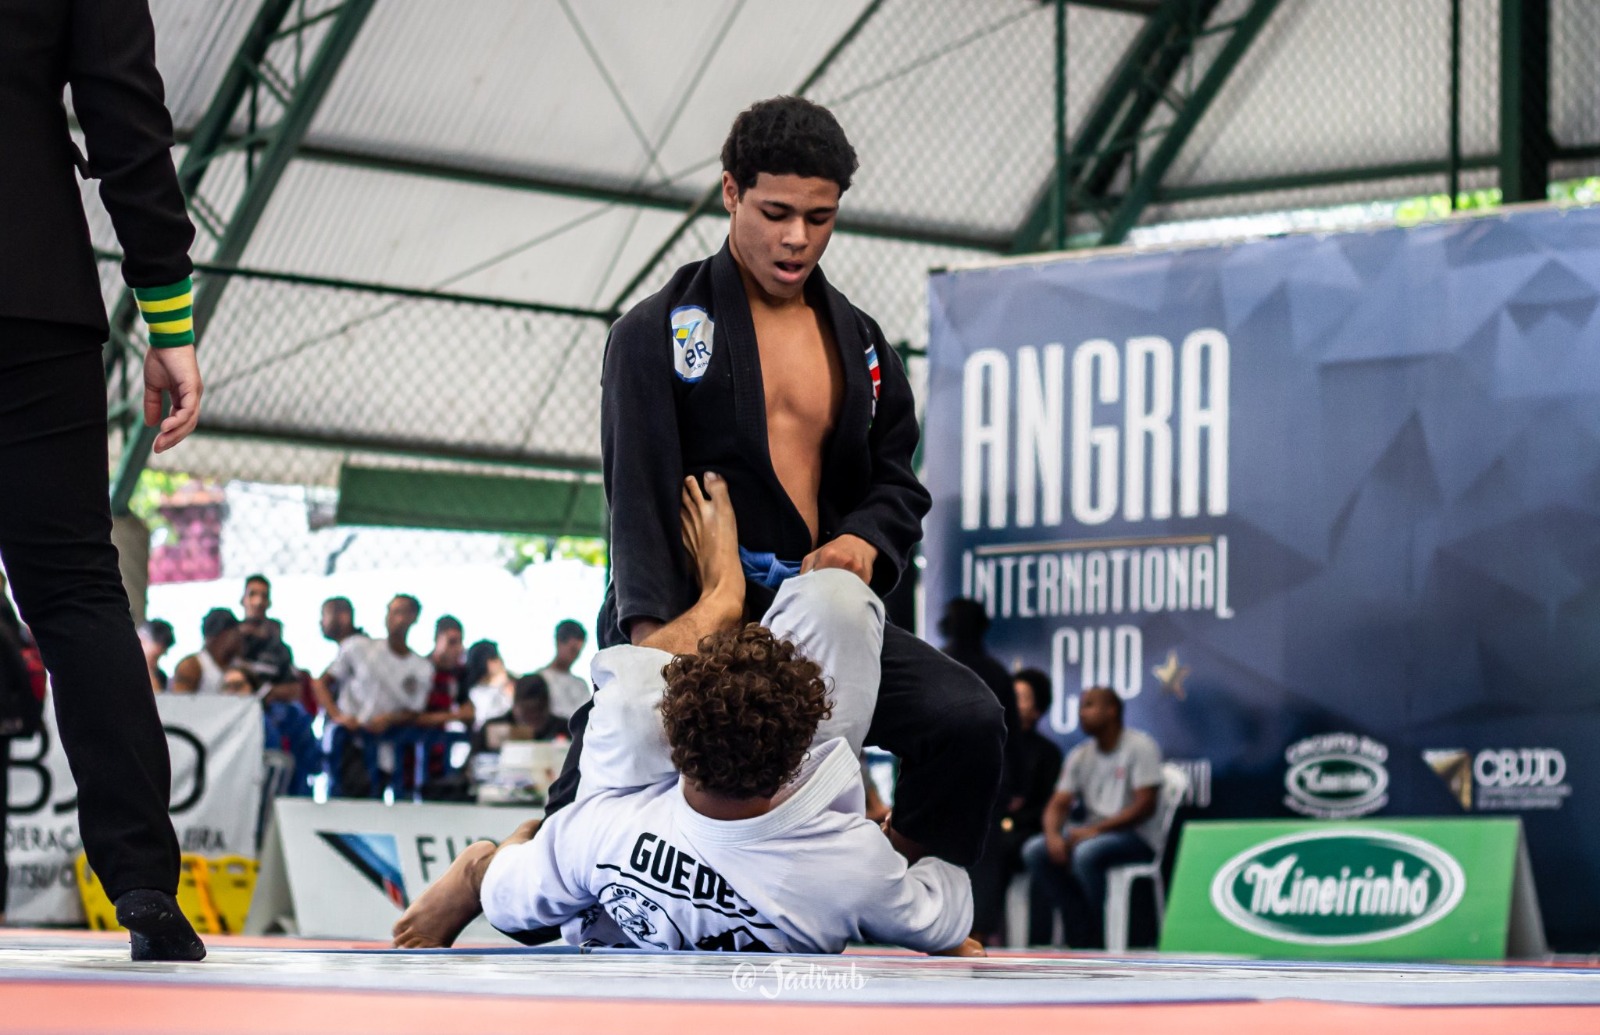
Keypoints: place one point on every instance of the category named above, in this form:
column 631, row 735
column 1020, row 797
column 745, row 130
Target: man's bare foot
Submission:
column 437, row 918
column 710, row 533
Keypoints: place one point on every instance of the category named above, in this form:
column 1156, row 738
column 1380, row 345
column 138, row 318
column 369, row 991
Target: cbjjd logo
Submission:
column 1503, row 779
column 1338, row 887
column 1336, row 776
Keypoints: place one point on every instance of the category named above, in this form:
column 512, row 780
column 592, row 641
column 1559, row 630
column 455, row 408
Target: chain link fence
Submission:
column 300, row 373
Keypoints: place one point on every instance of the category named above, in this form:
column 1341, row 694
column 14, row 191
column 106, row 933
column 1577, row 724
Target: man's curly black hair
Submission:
column 788, row 135
column 741, row 712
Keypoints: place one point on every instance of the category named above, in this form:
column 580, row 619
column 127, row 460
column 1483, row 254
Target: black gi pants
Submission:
column 935, row 715
column 55, row 543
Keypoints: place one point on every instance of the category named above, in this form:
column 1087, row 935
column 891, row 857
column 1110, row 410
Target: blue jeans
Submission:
column 1077, row 889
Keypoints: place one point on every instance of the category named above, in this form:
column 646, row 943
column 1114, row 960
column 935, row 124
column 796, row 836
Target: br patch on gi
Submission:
column 692, row 328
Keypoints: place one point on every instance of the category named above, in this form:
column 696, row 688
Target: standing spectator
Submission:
column 339, row 620
column 448, row 689
column 489, row 686
column 156, row 637
column 202, row 673
column 963, row 627
column 263, row 649
column 568, row 692
column 1116, row 776
column 55, row 513
column 383, row 685
column 339, row 626
column 1040, row 764
column 449, row 697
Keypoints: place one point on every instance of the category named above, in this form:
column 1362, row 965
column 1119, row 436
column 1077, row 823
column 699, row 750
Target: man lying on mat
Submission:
column 720, row 805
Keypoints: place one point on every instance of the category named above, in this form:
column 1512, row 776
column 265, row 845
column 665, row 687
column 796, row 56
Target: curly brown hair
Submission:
column 741, row 712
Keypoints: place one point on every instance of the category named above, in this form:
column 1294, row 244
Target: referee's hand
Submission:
column 171, row 373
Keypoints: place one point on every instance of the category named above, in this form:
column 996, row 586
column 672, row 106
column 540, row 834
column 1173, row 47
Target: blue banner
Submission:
column 1324, row 510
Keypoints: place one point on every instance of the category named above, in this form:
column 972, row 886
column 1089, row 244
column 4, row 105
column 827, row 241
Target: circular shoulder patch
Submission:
column 691, row 342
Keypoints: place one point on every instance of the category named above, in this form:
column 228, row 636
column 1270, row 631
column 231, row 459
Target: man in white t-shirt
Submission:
column 568, row 691
column 1116, row 776
column 720, row 805
column 383, row 685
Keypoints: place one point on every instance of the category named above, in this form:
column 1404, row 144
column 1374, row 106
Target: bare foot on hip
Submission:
column 710, row 533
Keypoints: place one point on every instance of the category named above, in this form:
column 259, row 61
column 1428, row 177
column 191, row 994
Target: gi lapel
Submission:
column 731, row 310
column 847, row 449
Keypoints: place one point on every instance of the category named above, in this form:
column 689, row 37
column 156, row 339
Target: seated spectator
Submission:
column 1116, row 776
column 489, row 685
column 1039, row 762
column 383, row 685
column 263, row 648
column 568, row 691
column 528, row 718
column 202, row 673
column 156, row 637
column 532, row 715
column 240, row 681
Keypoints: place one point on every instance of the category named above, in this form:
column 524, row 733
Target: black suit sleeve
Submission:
column 118, row 98
column 642, row 462
column 890, row 515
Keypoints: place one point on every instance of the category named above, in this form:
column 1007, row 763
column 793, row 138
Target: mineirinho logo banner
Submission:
column 1393, row 889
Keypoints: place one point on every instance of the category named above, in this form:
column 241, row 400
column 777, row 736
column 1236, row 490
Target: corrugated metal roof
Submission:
column 609, row 88
column 948, row 102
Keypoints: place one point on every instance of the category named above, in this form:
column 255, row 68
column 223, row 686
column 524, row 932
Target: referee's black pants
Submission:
column 935, row 715
column 55, row 544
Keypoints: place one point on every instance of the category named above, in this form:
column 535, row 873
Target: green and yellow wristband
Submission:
column 170, row 313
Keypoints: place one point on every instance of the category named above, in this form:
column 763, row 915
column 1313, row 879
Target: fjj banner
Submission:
column 1323, row 510
column 215, row 746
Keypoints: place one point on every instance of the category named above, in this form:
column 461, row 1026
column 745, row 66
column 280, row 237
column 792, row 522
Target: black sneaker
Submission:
column 158, row 928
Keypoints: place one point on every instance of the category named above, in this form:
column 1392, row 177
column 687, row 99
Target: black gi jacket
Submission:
column 106, row 50
column 658, row 425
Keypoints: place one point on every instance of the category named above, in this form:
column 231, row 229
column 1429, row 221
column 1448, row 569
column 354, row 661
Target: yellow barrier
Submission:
column 214, row 894
column 233, row 882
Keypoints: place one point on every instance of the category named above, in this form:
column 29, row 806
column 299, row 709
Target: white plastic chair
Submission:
column 1119, row 879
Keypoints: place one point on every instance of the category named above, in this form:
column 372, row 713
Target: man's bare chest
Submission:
column 801, row 373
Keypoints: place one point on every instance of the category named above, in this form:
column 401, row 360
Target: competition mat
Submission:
column 60, row 982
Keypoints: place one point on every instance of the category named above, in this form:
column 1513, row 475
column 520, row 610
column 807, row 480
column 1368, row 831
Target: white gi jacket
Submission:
column 630, row 864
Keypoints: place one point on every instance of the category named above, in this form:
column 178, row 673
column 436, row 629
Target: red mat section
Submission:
column 69, row 1009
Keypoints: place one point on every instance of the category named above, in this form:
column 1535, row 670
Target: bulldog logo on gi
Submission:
column 692, row 328
column 643, row 920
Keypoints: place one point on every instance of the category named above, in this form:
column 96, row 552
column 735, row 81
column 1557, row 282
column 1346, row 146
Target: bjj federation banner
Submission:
column 349, row 869
column 215, row 744
column 1323, row 510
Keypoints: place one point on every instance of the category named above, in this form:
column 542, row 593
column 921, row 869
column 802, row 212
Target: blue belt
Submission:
column 766, row 569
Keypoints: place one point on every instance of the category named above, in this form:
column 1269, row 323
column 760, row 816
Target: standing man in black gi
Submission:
column 752, row 365
column 55, row 513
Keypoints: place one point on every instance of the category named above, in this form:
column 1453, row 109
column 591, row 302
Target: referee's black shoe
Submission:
column 158, row 928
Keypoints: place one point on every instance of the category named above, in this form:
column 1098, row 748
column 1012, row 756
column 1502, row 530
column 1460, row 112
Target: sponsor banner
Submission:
column 1336, row 776
column 1320, row 509
column 215, row 747
column 348, row 869
column 1392, row 889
